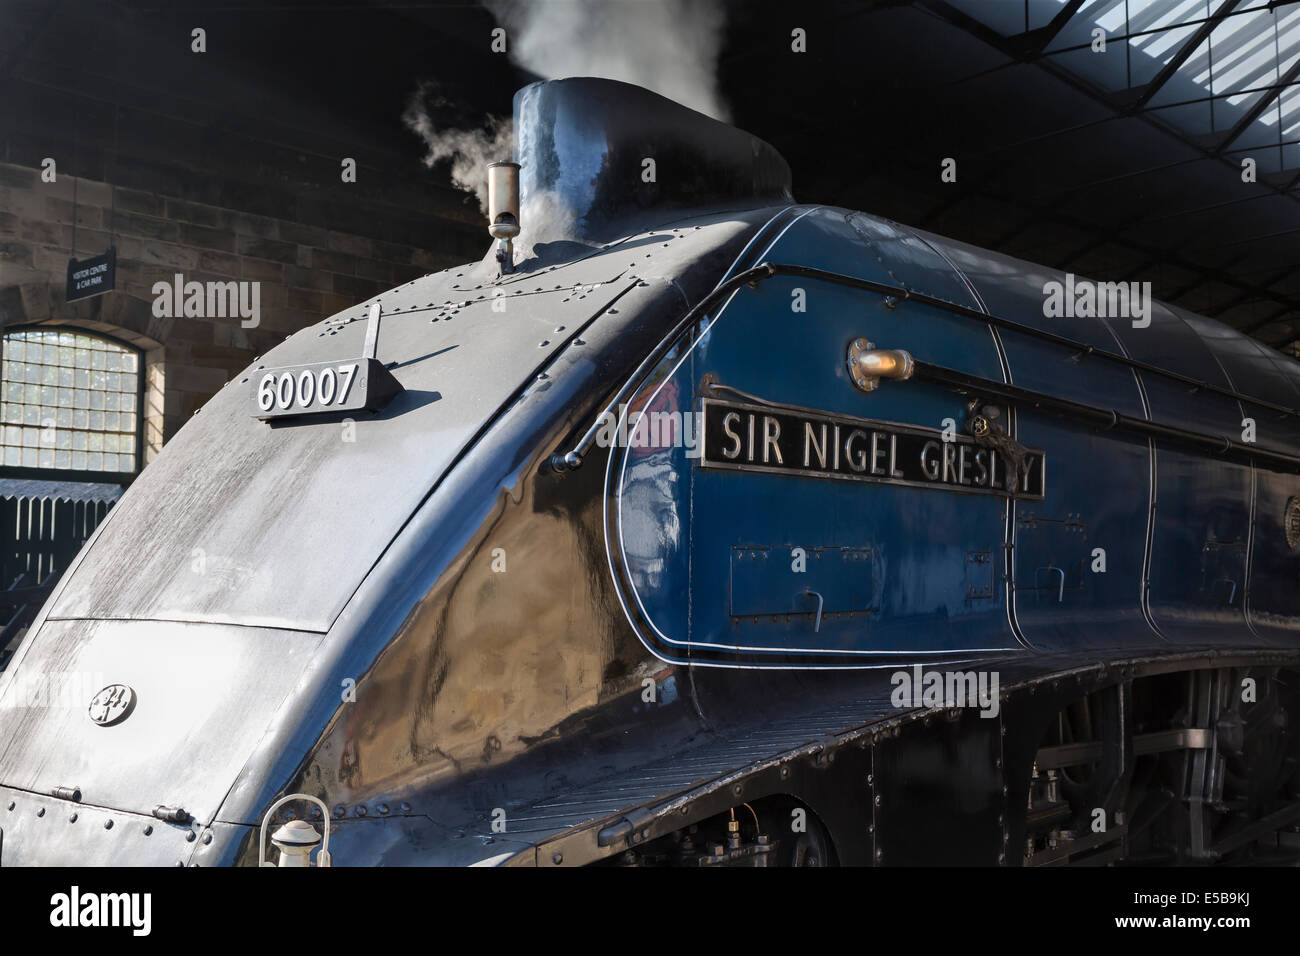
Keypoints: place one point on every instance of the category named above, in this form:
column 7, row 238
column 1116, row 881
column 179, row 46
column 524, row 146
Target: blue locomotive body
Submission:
column 1145, row 521
column 634, row 539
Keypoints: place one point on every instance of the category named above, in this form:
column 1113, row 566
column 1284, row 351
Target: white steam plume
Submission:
column 469, row 150
column 669, row 46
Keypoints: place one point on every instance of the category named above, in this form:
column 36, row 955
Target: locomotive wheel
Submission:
column 812, row 848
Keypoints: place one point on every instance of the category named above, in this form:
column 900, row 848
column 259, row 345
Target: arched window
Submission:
column 70, row 403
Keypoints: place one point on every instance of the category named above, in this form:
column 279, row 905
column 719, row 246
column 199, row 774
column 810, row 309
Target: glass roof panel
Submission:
column 1231, row 72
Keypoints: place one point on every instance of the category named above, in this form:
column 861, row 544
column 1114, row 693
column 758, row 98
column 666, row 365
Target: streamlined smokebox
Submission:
column 595, row 153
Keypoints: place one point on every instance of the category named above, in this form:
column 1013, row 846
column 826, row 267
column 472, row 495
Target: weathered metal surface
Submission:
column 416, row 618
column 596, row 152
column 205, row 694
column 241, row 497
column 42, row 830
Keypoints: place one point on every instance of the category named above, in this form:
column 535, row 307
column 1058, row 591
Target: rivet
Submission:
column 383, row 809
column 360, row 811
column 191, row 836
column 340, row 811
column 207, row 838
column 40, row 812
column 72, row 818
column 557, row 859
column 406, row 808
column 108, row 824
column 148, row 830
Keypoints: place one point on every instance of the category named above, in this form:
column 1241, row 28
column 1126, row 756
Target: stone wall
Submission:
column 306, row 271
column 225, row 164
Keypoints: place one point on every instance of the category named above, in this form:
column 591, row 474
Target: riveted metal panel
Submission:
column 204, row 533
column 776, row 580
column 204, row 693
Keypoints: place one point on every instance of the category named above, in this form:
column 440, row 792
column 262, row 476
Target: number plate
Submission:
column 350, row 386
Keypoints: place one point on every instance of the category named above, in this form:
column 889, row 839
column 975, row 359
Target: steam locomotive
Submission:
column 706, row 529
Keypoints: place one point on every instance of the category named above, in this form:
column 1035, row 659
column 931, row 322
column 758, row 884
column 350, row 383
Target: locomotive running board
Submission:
column 850, row 754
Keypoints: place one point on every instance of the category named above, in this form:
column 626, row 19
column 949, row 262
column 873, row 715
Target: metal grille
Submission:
column 1226, row 72
column 1221, row 79
column 70, row 401
column 41, row 536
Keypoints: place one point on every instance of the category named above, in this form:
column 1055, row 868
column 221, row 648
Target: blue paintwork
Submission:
column 1136, row 543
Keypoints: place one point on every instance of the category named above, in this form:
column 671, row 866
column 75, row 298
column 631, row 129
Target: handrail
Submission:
column 1103, row 418
column 573, row 459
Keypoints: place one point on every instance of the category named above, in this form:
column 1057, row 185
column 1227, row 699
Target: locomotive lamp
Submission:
column 503, row 211
column 296, row 839
column 868, row 364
